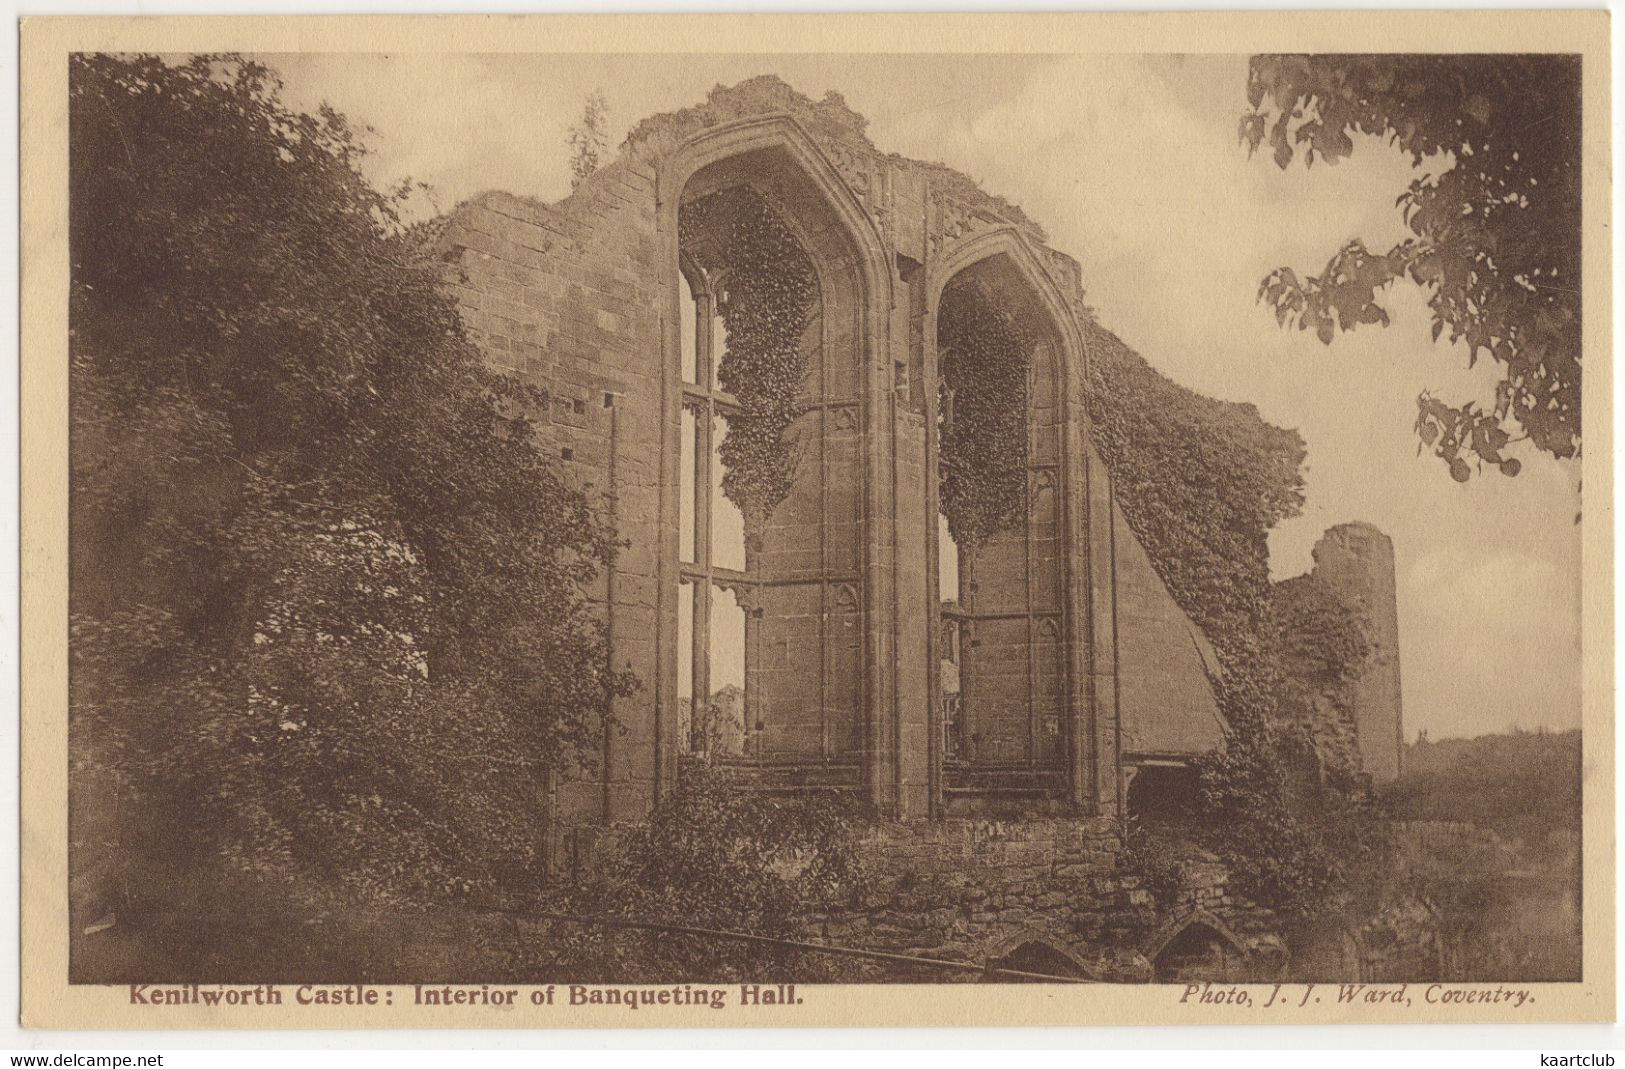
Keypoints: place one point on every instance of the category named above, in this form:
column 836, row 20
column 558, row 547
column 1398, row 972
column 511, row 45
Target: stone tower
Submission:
column 1357, row 560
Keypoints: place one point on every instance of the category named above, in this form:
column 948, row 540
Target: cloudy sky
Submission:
column 1131, row 164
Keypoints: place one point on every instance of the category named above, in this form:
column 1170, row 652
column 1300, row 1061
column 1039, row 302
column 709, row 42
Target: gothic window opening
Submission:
column 1000, row 427
column 771, row 453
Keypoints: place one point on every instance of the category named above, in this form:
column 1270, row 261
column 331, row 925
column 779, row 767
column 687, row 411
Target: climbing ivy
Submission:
column 1325, row 644
column 717, row 854
column 770, row 289
column 985, row 355
column 1201, row 482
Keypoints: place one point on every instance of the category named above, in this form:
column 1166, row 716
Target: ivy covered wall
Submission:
column 1200, row 482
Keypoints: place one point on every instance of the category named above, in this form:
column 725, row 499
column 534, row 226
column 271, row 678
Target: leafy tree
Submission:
column 1496, row 224
column 588, row 138
column 327, row 610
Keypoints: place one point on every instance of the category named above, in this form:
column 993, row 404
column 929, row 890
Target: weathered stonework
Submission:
column 1358, row 725
column 1059, row 666
column 843, row 619
column 982, row 890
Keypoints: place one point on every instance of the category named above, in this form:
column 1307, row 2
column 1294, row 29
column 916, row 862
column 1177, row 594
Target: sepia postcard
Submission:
column 537, row 522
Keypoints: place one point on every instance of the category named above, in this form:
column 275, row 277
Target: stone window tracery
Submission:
column 714, row 580
column 1003, row 592
column 771, row 455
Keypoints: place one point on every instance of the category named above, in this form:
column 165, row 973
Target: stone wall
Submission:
column 994, row 892
column 1358, row 560
column 1357, row 723
column 1164, row 661
column 973, row 890
column 567, row 298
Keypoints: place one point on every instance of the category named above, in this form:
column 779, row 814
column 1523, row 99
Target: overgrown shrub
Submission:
column 719, row 855
column 1155, row 857
column 327, row 627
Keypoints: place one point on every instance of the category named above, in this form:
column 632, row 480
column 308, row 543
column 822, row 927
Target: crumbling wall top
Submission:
column 830, row 121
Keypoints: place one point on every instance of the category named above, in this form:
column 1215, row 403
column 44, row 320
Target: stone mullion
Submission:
column 701, row 627
column 936, row 715
column 1027, row 579
column 971, row 623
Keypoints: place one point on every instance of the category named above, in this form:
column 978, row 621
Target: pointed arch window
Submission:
column 1003, row 594
column 780, row 561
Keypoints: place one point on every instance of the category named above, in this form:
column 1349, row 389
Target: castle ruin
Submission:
column 792, row 594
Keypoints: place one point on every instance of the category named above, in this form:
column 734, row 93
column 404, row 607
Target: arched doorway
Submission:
column 1197, row 947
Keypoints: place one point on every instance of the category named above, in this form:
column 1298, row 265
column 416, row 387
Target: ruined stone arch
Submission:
column 1010, row 242
column 583, row 298
column 1035, row 951
column 808, row 728
column 784, row 133
column 1023, row 729
column 1197, row 945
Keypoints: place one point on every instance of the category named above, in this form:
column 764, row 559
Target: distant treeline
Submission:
column 1522, row 784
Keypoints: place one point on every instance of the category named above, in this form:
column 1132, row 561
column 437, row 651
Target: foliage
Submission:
column 1156, row 859
column 1496, row 224
column 771, row 288
column 716, row 854
column 986, row 355
column 1201, row 482
column 1325, row 644
column 588, row 138
column 327, row 622
column 1323, row 631
column 1521, row 784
